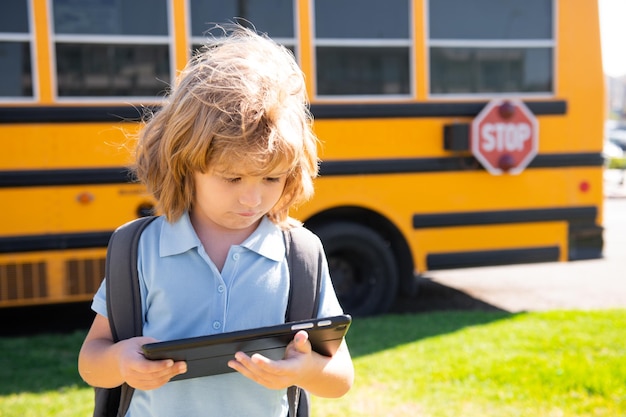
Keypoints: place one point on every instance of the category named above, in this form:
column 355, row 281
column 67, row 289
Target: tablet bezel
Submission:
column 209, row 355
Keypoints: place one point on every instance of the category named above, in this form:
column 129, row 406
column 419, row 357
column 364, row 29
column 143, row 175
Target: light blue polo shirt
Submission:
column 184, row 295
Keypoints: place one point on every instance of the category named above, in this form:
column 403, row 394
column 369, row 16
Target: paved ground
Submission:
column 615, row 184
column 589, row 284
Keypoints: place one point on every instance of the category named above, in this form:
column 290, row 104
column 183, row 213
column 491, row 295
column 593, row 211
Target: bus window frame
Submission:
column 492, row 43
column 409, row 43
column 25, row 37
column 294, row 44
column 90, row 39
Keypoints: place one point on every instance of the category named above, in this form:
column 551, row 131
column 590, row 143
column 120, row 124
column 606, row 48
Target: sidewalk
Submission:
column 614, row 183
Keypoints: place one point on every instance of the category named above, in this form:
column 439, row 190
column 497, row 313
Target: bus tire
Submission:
column 362, row 267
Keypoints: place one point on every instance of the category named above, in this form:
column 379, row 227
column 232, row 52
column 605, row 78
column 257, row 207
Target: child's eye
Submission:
column 272, row 179
column 232, row 180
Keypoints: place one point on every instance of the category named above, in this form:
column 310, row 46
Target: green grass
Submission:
column 553, row 364
column 38, row 377
column 560, row 364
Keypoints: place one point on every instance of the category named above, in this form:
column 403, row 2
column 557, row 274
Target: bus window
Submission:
column 275, row 17
column 365, row 55
column 15, row 50
column 507, row 47
column 111, row 49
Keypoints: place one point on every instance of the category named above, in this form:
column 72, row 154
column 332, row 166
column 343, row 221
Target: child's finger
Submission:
column 300, row 342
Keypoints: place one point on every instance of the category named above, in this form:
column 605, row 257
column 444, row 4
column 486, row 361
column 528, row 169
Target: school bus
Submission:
column 396, row 89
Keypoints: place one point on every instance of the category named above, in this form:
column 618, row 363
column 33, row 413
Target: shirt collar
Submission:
column 267, row 240
column 178, row 237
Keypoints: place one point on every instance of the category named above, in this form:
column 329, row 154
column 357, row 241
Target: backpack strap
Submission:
column 123, row 306
column 123, row 281
column 304, row 257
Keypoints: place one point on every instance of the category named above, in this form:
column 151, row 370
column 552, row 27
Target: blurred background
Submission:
column 613, row 33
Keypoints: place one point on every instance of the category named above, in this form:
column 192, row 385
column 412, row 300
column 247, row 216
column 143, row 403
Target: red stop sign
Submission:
column 504, row 136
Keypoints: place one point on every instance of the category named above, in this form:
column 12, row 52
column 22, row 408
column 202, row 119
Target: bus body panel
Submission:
column 397, row 176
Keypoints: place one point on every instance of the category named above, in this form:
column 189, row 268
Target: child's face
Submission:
column 236, row 200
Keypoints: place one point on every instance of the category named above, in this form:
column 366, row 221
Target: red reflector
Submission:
column 584, row 186
column 85, row 197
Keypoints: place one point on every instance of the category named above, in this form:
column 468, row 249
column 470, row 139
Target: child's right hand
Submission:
column 142, row 373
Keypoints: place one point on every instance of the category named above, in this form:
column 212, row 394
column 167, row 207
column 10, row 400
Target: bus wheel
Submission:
column 362, row 267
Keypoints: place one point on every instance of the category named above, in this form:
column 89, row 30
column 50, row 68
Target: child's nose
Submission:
column 251, row 197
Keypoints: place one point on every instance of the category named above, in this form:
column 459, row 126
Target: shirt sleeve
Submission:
column 99, row 303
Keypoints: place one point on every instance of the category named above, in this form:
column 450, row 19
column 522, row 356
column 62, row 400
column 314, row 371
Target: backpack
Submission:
column 304, row 258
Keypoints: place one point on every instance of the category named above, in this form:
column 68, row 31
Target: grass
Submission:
column 38, row 377
column 553, row 364
column 560, row 364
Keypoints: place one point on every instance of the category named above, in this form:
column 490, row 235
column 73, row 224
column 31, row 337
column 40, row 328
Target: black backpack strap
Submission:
column 122, row 281
column 304, row 257
column 123, row 305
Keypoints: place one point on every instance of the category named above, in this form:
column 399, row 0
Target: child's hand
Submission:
column 142, row 373
column 296, row 366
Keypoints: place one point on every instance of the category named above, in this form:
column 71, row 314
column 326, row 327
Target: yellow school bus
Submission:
column 399, row 91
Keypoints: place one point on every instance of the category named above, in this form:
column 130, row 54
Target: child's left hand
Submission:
column 297, row 366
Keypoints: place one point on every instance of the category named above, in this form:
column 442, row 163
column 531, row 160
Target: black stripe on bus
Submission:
column 54, row 242
column 585, row 240
column 442, row 164
column 85, row 114
column 573, row 215
column 437, row 109
column 450, row 260
column 70, row 114
column 36, row 178
column 54, row 177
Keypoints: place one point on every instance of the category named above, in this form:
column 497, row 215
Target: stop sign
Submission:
column 504, row 136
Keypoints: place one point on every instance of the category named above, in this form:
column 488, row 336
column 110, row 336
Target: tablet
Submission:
column 209, row 355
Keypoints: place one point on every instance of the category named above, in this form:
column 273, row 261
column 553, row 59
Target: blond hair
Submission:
column 241, row 100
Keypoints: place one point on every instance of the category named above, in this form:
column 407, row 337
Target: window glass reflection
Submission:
column 362, row 49
column 350, row 71
column 15, row 65
column 111, row 48
column 14, row 16
column 490, row 70
column 491, row 46
column 274, row 17
column 365, row 19
column 16, row 74
column 110, row 17
column 490, row 19
column 112, row 70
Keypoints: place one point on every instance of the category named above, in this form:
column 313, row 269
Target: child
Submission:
column 226, row 157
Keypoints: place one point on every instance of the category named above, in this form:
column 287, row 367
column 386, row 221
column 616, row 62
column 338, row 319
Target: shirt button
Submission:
column 217, row 325
column 236, row 257
column 221, row 289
